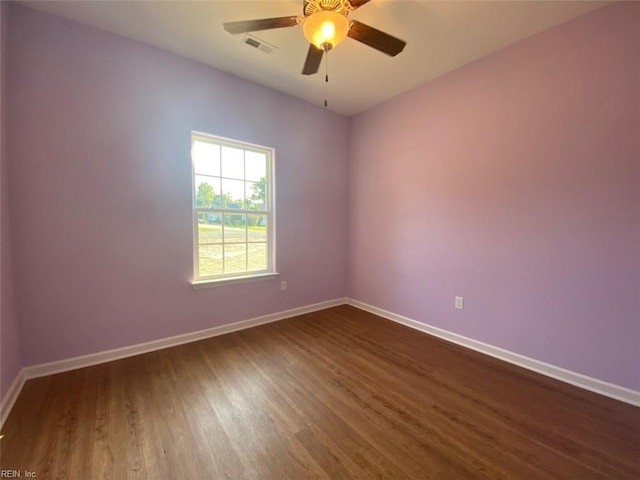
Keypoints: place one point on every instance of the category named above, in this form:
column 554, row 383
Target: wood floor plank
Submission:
column 338, row 393
column 392, row 411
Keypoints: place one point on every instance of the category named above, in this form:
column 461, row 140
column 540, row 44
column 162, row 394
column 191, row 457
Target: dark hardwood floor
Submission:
column 334, row 394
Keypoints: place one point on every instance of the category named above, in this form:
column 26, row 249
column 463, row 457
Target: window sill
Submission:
column 233, row 280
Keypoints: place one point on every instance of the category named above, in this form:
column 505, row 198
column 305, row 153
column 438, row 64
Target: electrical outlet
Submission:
column 459, row 303
column 283, row 285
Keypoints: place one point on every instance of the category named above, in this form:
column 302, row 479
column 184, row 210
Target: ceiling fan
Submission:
column 325, row 24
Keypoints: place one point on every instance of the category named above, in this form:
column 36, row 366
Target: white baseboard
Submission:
column 41, row 370
column 11, row 396
column 577, row 379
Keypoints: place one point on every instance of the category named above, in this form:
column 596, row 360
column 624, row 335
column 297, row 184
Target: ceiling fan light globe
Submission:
column 324, row 28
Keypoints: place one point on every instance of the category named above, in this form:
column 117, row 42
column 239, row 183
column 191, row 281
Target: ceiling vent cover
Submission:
column 258, row 44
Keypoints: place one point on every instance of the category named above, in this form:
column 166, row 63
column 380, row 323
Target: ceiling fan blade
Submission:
column 357, row 3
column 376, row 39
column 312, row 63
column 243, row 26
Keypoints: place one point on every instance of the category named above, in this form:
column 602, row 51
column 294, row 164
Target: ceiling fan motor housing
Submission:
column 342, row 7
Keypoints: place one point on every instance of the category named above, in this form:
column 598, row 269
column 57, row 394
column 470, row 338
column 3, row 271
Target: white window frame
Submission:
column 269, row 212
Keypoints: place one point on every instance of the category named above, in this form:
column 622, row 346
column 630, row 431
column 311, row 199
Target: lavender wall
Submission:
column 100, row 194
column 514, row 182
column 10, row 357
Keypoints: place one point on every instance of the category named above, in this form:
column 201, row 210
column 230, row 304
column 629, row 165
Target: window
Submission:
column 233, row 220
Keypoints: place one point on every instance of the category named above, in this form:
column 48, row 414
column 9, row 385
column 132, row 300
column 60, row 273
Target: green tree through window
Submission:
column 205, row 195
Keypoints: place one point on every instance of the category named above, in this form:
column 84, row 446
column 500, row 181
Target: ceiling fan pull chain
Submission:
column 326, row 74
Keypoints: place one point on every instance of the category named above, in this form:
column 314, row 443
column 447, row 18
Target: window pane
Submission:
column 256, row 195
column 235, row 258
column 232, row 193
column 232, row 163
column 257, row 256
column 257, row 228
column 207, row 188
column 210, row 260
column 235, row 230
column 256, row 165
column 206, row 158
column 209, row 228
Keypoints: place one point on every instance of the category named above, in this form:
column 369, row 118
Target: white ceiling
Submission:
column 441, row 36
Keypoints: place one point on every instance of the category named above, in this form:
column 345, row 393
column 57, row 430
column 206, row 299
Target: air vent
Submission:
column 258, row 44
